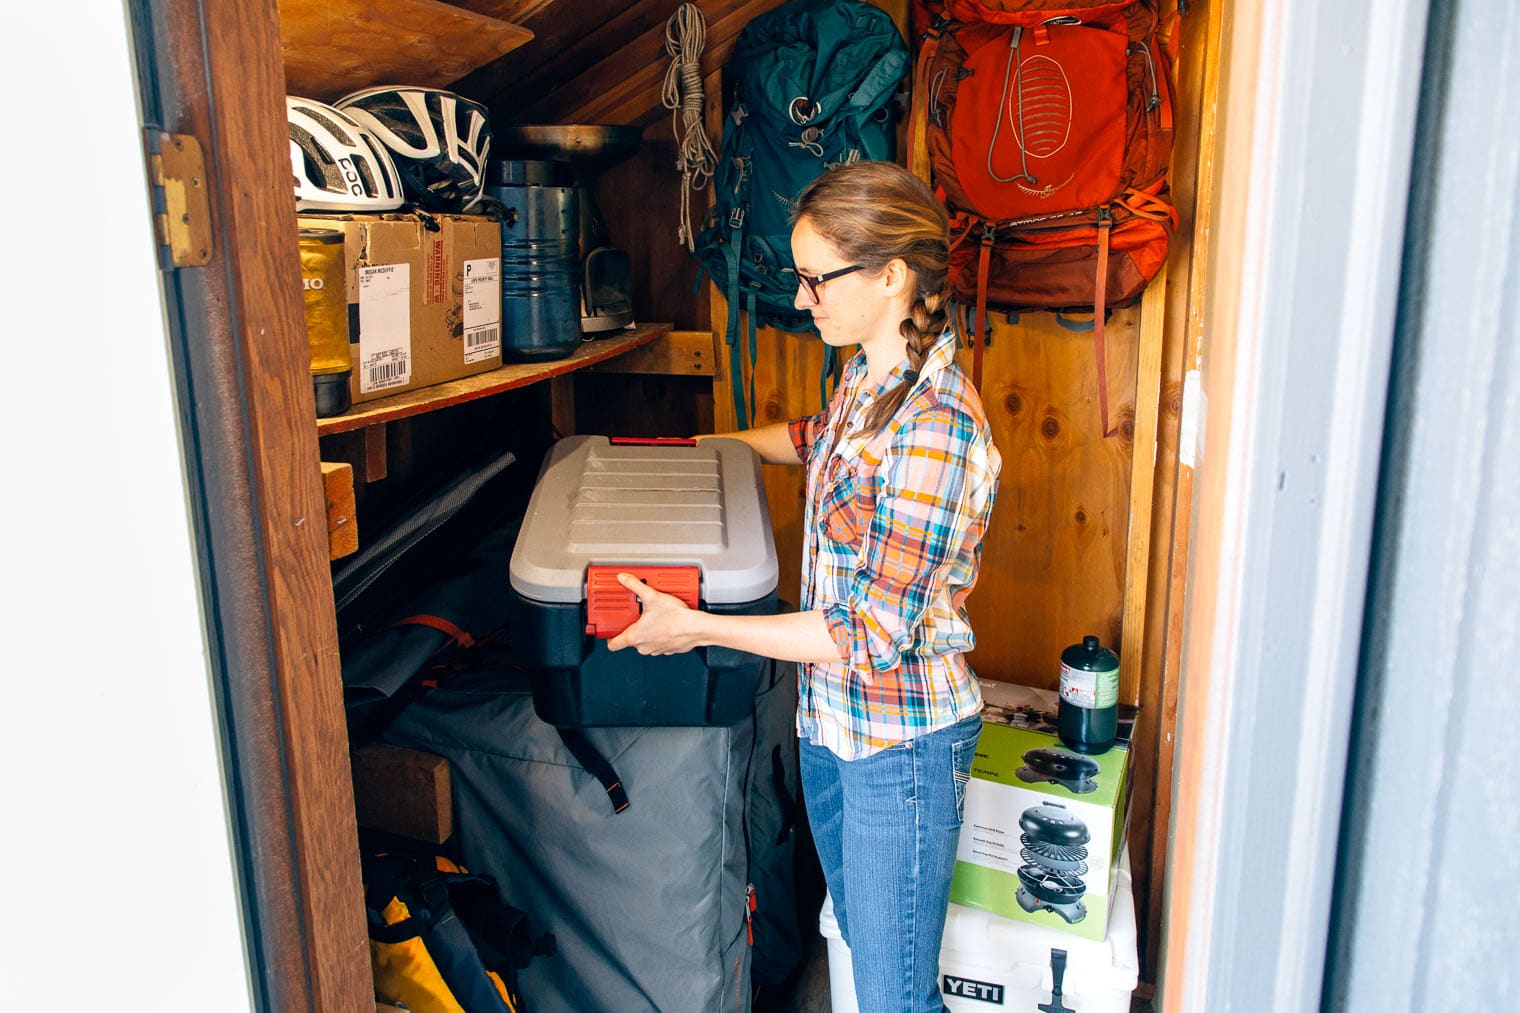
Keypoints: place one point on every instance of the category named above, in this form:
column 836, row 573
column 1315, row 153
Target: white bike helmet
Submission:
column 440, row 141
column 338, row 165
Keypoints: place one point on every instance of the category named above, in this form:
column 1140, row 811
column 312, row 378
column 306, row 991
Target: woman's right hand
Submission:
column 664, row 625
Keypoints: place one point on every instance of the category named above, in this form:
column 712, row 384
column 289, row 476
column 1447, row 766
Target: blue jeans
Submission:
column 886, row 828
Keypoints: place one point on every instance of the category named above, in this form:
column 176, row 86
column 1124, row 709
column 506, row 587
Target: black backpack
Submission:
column 441, row 938
column 812, row 82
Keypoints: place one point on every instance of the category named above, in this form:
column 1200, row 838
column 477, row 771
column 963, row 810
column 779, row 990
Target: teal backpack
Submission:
column 812, row 83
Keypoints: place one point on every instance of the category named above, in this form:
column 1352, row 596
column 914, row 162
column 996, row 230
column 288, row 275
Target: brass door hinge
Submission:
column 181, row 206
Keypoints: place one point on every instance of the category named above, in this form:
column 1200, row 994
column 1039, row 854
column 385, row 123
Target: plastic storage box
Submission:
column 987, row 962
column 688, row 518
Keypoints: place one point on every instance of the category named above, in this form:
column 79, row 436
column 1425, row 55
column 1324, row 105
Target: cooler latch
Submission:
column 611, row 608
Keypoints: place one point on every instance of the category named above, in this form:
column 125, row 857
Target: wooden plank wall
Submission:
column 1053, row 562
column 1198, row 76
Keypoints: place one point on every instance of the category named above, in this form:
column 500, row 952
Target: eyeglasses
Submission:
column 810, row 282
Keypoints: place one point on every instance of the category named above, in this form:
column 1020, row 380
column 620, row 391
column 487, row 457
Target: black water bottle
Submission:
column 1088, row 716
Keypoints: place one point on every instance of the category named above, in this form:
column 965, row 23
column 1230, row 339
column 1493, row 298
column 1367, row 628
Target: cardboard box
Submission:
column 424, row 302
column 1043, row 825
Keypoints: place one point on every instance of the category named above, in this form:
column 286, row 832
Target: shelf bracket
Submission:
column 178, row 191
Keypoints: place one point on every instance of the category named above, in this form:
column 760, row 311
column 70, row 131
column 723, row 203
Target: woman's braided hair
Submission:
column 873, row 213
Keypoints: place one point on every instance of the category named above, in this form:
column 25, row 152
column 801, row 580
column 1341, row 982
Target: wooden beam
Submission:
column 403, row 792
column 679, row 353
column 561, row 393
column 376, row 462
column 471, row 388
column 629, row 82
column 1225, row 192
column 342, row 516
column 219, row 76
column 1141, row 486
column 334, row 47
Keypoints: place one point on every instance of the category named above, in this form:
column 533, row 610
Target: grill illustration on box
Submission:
column 1072, row 771
column 1054, row 861
column 1043, row 826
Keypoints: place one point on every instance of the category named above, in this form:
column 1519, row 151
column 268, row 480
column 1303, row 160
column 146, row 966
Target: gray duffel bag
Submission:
column 647, row 905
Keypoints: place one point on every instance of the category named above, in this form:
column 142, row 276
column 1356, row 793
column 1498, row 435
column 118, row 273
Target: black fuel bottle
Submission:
column 1087, row 719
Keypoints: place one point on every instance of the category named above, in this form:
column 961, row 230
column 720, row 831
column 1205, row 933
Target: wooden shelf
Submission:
column 333, row 47
column 509, row 377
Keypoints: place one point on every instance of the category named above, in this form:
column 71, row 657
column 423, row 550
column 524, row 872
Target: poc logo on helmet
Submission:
column 351, row 175
column 968, row 988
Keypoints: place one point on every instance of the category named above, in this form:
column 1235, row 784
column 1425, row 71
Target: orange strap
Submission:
column 1105, row 223
column 918, row 111
column 440, row 624
column 1169, row 31
column 979, row 332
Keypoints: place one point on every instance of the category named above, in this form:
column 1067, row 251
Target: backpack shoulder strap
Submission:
column 597, row 765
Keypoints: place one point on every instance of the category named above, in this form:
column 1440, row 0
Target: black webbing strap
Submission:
column 591, row 758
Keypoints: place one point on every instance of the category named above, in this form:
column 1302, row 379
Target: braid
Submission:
column 920, row 329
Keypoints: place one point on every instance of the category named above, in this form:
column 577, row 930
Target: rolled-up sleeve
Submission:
column 914, row 532
column 804, row 432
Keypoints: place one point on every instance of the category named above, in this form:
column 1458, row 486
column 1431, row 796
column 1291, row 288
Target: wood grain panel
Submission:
column 679, row 353
column 333, row 47
column 220, row 77
column 785, row 375
column 342, row 526
column 1053, row 561
column 404, row 792
column 1194, row 181
column 261, row 246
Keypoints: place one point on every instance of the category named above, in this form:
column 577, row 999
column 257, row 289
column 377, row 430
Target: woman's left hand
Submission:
column 666, row 626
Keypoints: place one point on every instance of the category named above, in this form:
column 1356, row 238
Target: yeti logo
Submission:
column 981, row 991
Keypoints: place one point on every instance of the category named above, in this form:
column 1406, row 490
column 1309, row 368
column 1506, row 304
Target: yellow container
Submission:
column 326, row 318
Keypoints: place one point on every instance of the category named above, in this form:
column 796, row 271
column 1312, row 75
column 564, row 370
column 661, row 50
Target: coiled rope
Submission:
column 685, row 35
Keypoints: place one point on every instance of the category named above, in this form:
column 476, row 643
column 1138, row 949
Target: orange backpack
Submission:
column 1048, row 129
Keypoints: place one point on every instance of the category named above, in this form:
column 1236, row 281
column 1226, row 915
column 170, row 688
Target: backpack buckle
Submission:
column 736, row 217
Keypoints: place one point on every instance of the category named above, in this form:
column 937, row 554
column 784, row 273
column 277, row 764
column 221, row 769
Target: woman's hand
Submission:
column 667, row 625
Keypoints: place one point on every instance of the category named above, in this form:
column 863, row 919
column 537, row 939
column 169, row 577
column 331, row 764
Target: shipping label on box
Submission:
column 385, row 327
column 424, row 298
column 482, row 309
column 1043, row 825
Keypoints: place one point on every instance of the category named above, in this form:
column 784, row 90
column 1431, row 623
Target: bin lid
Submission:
column 598, row 502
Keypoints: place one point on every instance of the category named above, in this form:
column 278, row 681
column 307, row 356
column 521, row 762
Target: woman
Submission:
column 901, row 476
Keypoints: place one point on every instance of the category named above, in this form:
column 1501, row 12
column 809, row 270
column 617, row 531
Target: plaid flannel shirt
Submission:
column 894, row 526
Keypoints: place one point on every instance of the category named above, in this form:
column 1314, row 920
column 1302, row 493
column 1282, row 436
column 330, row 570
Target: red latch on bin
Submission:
column 611, row 608
column 651, row 441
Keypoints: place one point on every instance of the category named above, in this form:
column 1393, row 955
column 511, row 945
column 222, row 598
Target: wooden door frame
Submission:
column 213, row 69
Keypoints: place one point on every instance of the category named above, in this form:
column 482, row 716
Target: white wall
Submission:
column 119, row 887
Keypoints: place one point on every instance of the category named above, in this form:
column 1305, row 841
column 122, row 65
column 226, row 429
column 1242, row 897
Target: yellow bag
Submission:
column 442, row 940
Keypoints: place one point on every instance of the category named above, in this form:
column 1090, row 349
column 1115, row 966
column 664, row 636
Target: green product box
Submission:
column 1043, row 825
